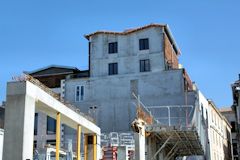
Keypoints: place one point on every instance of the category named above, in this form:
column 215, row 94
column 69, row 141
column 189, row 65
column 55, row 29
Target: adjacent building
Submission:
column 230, row 115
column 2, row 111
column 233, row 116
column 219, row 132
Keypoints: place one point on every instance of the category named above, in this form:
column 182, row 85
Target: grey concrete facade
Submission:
column 112, row 94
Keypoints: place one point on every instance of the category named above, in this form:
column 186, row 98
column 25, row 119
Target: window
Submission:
column 51, row 142
column 113, row 47
column 34, row 144
column 79, row 93
column 144, row 65
column 202, row 111
column 143, row 44
column 112, row 68
column 51, row 125
column 36, row 124
column 235, row 149
column 233, row 126
column 207, row 117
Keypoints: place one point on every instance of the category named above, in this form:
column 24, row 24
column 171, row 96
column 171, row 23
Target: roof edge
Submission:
column 50, row 66
column 129, row 31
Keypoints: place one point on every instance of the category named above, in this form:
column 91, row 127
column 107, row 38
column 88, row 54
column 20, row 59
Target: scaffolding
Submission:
column 179, row 130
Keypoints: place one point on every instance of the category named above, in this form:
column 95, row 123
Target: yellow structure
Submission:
column 28, row 96
column 219, row 132
column 79, row 130
column 58, row 126
column 85, row 147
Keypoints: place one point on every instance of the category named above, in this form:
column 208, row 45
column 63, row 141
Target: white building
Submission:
column 230, row 115
column 220, row 139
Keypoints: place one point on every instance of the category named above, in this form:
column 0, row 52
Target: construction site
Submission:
column 135, row 102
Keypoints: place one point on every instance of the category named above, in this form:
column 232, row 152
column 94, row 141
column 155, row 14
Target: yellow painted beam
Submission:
column 94, row 147
column 79, row 130
column 58, row 125
column 85, row 147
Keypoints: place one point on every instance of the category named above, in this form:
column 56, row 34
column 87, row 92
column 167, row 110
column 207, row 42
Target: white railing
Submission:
column 175, row 115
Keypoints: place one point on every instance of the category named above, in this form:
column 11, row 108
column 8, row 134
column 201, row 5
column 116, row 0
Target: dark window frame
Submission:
column 51, row 141
column 144, row 44
column 233, row 124
column 145, row 65
column 36, row 124
column 79, row 93
column 50, row 130
column 112, row 68
column 113, row 47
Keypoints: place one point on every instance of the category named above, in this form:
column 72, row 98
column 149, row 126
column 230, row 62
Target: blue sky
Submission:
column 37, row 33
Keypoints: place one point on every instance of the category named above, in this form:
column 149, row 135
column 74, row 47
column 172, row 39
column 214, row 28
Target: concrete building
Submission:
column 230, row 115
column 220, row 139
column 2, row 111
column 143, row 61
column 236, row 109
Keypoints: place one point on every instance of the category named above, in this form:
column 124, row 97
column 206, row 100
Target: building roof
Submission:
column 218, row 112
column 226, row 109
column 52, row 66
column 129, row 31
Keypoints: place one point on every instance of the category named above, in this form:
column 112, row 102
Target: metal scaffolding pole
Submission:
column 160, row 149
column 79, row 130
column 58, row 125
column 85, row 147
column 94, row 147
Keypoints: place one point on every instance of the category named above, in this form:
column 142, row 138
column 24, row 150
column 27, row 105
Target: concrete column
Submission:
column 19, row 123
column 140, row 143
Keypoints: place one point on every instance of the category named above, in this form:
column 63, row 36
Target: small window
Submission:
column 143, row 44
column 202, row 111
column 144, row 65
column 51, row 125
column 51, row 142
column 34, row 144
column 113, row 47
column 36, row 124
column 112, row 68
column 79, row 93
column 233, row 126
